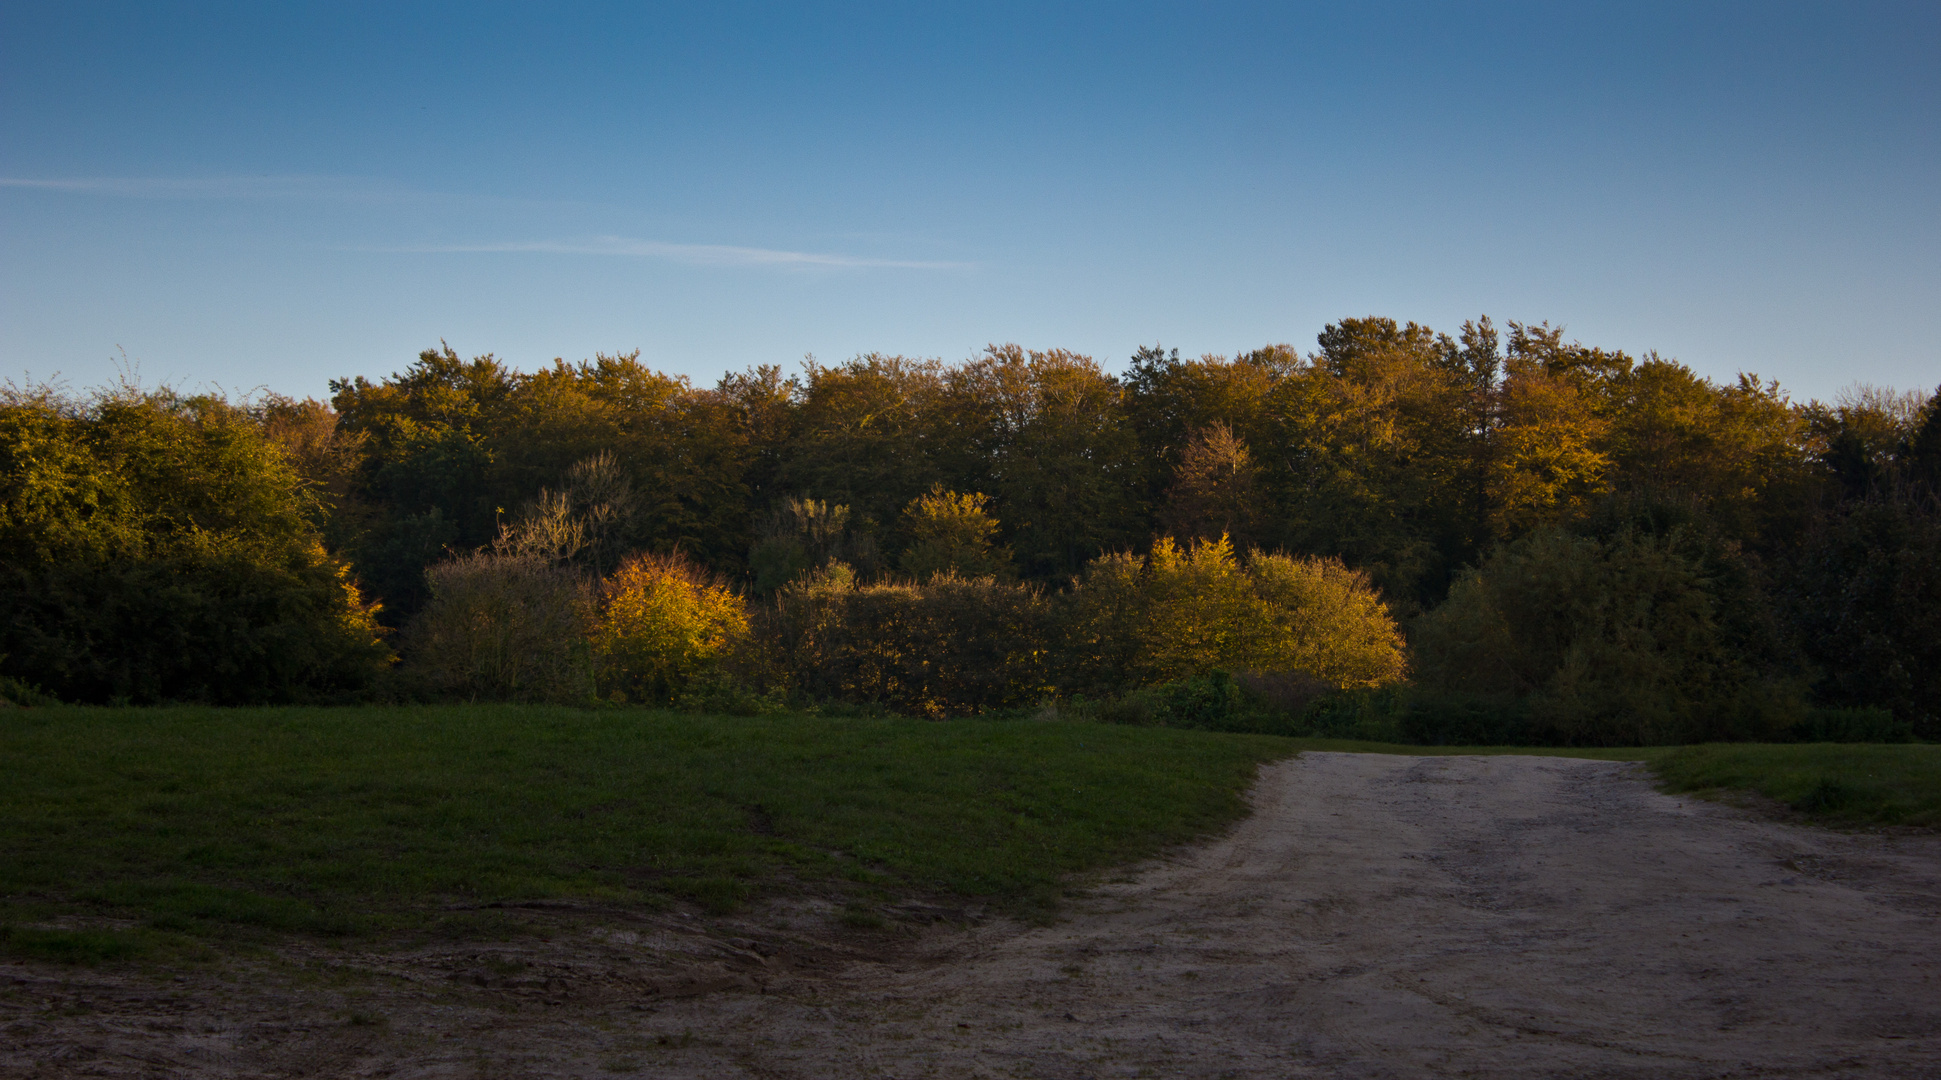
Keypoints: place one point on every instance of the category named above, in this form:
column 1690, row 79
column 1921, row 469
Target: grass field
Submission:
column 212, row 822
column 1833, row 783
column 172, row 828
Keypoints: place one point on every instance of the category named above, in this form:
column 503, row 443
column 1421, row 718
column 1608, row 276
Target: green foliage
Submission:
column 160, row 548
column 803, row 536
column 1852, row 726
column 1604, row 642
column 947, row 646
column 952, row 533
column 157, row 547
column 1865, row 591
column 665, row 625
column 502, row 626
column 1046, row 434
column 250, row 823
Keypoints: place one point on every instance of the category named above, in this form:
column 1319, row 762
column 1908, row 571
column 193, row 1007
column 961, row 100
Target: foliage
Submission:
column 1184, row 612
column 1213, row 490
column 1866, row 593
column 947, row 646
column 665, row 625
column 502, row 626
column 1388, row 462
column 803, row 536
column 161, row 548
column 952, row 533
column 1604, row 642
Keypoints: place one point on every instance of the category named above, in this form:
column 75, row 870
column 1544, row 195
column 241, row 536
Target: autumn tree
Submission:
column 952, row 533
column 1213, row 493
column 1045, row 433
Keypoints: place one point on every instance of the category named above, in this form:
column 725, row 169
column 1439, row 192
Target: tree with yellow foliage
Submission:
column 1184, row 611
column 952, row 533
column 664, row 624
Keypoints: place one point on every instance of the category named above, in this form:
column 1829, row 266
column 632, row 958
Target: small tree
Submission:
column 503, row 627
column 952, row 533
column 665, row 623
column 801, row 536
column 1213, row 488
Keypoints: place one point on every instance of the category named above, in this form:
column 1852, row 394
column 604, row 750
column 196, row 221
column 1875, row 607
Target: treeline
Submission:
column 1580, row 544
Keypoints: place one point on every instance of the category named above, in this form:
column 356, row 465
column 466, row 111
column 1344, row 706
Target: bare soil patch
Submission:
column 1377, row 916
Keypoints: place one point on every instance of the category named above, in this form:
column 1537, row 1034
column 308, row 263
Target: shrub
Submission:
column 1602, row 642
column 1182, row 613
column 1866, row 595
column 805, row 536
column 949, row 646
column 1853, row 726
column 506, row 627
column 665, row 624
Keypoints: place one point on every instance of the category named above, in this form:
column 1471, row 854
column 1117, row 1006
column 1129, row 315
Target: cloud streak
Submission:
column 207, row 187
column 355, row 189
column 693, row 254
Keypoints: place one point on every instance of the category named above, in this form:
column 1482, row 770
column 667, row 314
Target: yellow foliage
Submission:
column 1184, row 611
column 952, row 533
column 665, row 622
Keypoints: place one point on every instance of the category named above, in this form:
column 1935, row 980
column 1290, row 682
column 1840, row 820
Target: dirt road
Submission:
column 1378, row 916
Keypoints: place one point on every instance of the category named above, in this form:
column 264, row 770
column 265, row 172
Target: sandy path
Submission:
column 1377, row 916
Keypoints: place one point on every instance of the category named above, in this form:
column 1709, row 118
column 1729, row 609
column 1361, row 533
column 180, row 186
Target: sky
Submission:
column 269, row 196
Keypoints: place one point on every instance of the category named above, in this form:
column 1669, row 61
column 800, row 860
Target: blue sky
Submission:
column 274, row 195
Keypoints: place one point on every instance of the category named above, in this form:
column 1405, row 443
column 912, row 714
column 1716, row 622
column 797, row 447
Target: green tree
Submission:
column 1612, row 641
column 155, row 547
column 952, row 533
column 1045, row 433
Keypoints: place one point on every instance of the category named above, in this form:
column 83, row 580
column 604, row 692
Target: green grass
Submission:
column 129, row 832
column 1838, row 784
column 252, row 823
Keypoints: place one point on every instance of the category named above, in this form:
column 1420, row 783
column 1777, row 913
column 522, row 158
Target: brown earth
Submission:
column 1377, row 916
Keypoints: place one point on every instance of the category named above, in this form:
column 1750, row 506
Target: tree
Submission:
column 1186, row 611
column 665, row 625
column 1213, row 492
column 1615, row 641
column 952, row 534
column 155, row 547
column 1046, row 434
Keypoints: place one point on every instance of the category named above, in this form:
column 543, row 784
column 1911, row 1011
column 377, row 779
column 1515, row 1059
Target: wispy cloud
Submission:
column 357, row 189
column 696, row 254
column 210, row 187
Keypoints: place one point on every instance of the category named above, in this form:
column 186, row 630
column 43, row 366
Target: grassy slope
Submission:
column 348, row 820
column 1838, row 784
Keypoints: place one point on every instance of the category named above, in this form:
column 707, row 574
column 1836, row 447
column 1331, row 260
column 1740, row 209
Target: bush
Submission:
column 1853, row 726
column 1866, row 595
column 160, row 548
column 1182, row 613
column 1601, row 642
column 949, row 646
column 503, row 627
column 665, row 625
